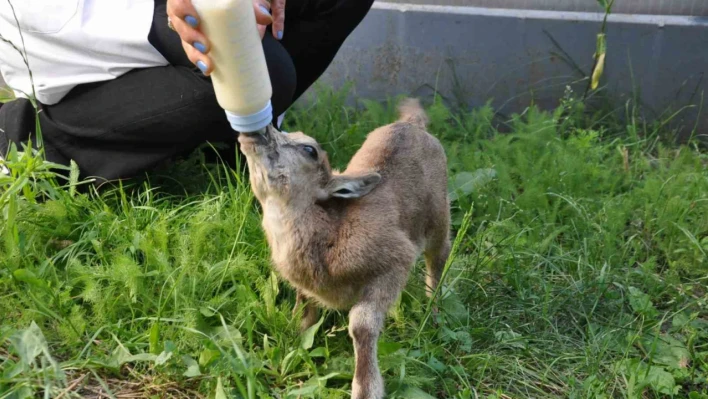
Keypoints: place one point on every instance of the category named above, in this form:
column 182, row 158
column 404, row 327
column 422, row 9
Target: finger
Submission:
column 183, row 10
column 202, row 61
column 278, row 10
column 192, row 36
column 261, row 30
column 262, row 11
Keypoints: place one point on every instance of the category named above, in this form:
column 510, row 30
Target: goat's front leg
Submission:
column 309, row 312
column 366, row 320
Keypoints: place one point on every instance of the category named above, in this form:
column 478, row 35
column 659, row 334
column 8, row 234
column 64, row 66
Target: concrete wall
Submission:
column 516, row 56
column 653, row 7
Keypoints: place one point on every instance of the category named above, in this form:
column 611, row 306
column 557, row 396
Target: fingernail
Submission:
column 280, row 35
column 264, row 9
column 200, row 47
column 202, row 66
column 191, row 21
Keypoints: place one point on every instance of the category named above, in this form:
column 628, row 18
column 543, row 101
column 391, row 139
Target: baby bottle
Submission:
column 240, row 74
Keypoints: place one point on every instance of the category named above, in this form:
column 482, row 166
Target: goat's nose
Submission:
column 255, row 138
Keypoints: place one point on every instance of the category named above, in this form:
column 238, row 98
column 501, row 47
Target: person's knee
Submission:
column 354, row 11
column 363, row 7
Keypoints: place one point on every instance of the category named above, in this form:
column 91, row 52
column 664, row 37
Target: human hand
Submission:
column 185, row 21
column 278, row 10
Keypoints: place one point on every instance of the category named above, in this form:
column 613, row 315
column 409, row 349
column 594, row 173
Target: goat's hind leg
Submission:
column 436, row 255
column 309, row 311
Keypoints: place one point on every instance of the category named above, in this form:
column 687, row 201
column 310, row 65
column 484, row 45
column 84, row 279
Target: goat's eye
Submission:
column 310, row 150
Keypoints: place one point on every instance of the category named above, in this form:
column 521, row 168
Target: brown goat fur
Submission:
column 348, row 240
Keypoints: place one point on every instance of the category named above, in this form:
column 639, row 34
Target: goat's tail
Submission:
column 410, row 111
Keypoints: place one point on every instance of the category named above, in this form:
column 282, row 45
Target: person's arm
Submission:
column 185, row 21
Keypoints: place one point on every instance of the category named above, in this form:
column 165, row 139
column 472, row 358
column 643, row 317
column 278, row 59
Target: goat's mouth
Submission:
column 250, row 140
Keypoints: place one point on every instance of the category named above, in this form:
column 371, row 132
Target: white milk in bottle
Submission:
column 240, row 75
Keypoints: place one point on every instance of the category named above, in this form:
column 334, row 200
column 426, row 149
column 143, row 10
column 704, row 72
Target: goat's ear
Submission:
column 348, row 186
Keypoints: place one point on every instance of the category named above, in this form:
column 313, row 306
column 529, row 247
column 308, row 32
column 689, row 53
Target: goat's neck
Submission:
column 292, row 229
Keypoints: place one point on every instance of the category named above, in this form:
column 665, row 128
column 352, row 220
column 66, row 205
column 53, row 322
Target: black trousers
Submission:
column 123, row 127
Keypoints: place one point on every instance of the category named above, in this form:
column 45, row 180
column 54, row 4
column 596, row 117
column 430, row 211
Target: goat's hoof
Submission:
column 304, row 326
column 306, row 323
column 435, row 316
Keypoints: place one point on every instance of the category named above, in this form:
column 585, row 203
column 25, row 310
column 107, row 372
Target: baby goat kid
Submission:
column 348, row 240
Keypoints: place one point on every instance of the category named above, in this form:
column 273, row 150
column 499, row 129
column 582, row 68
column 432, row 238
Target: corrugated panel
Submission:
column 651, row 7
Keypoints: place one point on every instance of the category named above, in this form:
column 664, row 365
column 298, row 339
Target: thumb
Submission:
column 262, row 11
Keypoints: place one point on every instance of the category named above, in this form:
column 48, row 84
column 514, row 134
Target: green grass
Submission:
column 580, row 271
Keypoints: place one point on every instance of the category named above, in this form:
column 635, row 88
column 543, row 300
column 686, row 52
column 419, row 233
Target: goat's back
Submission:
column 413, row 167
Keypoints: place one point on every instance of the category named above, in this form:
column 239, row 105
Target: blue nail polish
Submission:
column 200, row 47
column 264, row 9
column 202, row 66
column 280, row 35
column 191, row 21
